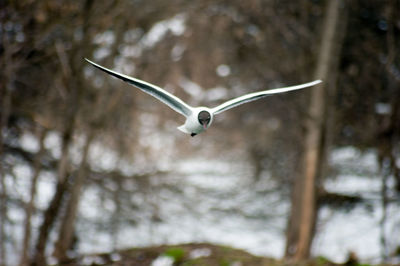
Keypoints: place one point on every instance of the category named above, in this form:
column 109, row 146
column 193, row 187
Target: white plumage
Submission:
column 198, row 119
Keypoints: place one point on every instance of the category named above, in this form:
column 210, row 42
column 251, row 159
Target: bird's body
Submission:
column 198, row 119
column 193, row 124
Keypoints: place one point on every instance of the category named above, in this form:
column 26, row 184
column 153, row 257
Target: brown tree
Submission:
column 301, row 226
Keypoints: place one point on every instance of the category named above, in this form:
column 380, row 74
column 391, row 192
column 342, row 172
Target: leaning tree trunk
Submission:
column 66, row 231
column 52, row 211
column 72, row 77
column 72, row 108
column 6, row 88
column 303, row 215
column 29, row 208
column 5, row 111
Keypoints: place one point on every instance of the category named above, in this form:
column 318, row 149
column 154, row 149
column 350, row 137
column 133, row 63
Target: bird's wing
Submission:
column 172, row 101
column 257, row 95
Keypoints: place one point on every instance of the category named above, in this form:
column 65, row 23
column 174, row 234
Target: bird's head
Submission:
column 204, row 118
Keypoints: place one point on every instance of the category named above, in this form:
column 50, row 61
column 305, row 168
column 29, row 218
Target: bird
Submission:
column 198, row 119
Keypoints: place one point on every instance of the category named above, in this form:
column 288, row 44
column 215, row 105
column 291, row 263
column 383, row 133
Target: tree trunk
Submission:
column 6, row 90
column 72, row 78
column 304, row 203
column 5, row 111
column 51, row 212
column 24, row 260
column 387, row 138
column 66, row 231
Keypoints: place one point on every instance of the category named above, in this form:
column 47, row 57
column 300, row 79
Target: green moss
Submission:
column 176, row 253
column 223, row 262
column 322, row 261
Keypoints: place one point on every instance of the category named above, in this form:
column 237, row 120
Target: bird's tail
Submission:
column 183, row 129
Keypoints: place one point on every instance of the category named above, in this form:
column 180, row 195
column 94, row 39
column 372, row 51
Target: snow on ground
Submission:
column 358, row 230
column 219, row 202
column 211, row 208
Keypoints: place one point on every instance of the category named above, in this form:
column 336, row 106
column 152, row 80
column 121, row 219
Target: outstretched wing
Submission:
column 257, row 95
column 172, row 101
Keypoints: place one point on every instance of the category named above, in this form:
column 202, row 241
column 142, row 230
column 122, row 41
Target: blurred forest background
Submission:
column 90, row 164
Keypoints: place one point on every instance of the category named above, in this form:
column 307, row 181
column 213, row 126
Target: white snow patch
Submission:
column 344, row 154
column 217, row 202
column 52, row 260
column 198, row 165
column 124, row 65
column 92, row 260
column 98, row 242
column 76, row 149
column 45, row 189
column 223, row 70
column 191, row 88
column 216, row 94
column 383, row 108
column 163, row 261
column 200, row 253
column 353, row 184
column 133, row 35
column 105, row 38
column 89, row 204
column 29, row 142
column 129, row 50
column 176, row 25
column 115, row 257
column 356, row 231
column 101, row 53
column 52, row 142
column 353, row 160
column 101, row 157
column 16, row 215
column 253, row 30
column 177, row 52
column 20, row 186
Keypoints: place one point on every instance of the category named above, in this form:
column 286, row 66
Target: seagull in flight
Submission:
column 198, row 119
